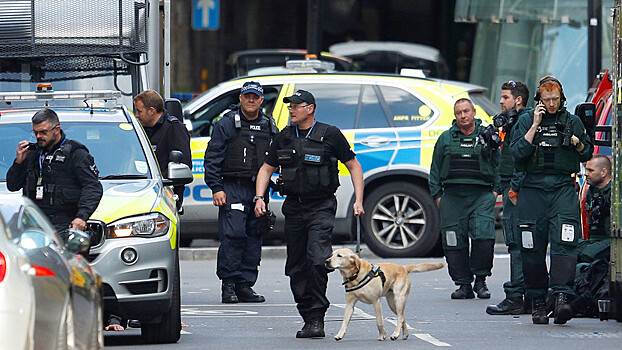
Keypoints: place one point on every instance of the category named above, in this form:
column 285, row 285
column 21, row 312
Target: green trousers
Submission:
column 515, row 287
column 467, row 212
column 543, row 217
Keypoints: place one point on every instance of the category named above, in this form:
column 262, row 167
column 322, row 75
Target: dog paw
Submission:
column 382, row 337
column 338, row 337
column 394, row 336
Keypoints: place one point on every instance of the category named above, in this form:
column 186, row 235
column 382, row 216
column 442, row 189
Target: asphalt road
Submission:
column 434, row 319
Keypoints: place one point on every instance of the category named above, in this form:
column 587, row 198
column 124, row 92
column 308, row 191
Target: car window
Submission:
column 371, row 114
column 33, row 221
column 336, row 103
column 101, row 138
column 405, row 109
column 204, row 119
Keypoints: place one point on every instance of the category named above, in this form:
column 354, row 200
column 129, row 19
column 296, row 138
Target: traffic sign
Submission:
column 205, row 14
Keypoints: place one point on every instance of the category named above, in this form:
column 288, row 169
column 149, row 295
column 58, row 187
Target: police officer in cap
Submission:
column 307, row 152
column 58, row 174
column 166, row 133
column 549, row 144
column 464, row 181
column 233, row 157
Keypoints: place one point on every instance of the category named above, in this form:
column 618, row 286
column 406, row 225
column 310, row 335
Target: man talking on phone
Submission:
column 548, row 144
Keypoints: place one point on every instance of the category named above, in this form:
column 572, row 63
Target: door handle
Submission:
column 375, row 141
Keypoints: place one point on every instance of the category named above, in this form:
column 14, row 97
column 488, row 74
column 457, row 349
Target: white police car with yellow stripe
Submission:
column 134, row 238
column 392, row 123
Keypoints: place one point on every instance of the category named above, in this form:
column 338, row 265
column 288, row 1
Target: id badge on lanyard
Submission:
column 39, row 191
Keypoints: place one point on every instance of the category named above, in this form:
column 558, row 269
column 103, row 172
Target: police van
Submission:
column 392, row 123
column 135, row 229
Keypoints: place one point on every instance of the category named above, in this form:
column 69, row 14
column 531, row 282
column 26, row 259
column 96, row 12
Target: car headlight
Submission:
column 152, row 225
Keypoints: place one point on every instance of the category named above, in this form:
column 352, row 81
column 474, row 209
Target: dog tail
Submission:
column 424, row 267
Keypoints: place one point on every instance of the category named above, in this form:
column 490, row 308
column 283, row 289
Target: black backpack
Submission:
column 590, row 284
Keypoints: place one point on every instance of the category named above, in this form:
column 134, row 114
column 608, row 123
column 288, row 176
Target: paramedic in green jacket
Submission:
column 549, row 144
column 464, row 182
column 514, row 98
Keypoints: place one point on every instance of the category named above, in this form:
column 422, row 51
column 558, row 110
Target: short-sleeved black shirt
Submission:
column 339, row 146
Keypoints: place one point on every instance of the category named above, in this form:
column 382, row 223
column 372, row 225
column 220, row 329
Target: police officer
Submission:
column 548, row 144
column 166, row 133
column 58, row 174
column 597, row 210
column 237, row 149
column 307, row 152
column 464, row 181
column 514, row 97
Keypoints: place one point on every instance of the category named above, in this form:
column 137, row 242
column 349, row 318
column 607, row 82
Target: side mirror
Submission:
column 173, row 107
column 78, row 242
column 178, row 173
column 586, row 111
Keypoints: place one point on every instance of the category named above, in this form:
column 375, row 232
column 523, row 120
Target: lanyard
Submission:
column 309, row 133
column 42, row 157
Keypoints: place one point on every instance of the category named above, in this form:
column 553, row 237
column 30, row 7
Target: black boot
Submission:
column 563, row 310
column 481, row 288
column 312, row 329
column 246, row 294
column 540, row 313
column 527, row 306
column 463, row 292
column 506, row 307
column 228, row 293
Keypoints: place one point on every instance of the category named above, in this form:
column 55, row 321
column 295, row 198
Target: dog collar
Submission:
column 374, row 272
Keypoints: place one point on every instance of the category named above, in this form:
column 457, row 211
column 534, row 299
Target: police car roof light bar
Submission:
column 106, row 95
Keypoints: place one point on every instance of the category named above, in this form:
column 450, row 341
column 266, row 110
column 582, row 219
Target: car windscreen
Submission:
column 114, row 145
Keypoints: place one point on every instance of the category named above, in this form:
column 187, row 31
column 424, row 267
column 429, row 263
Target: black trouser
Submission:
column 239, row 253
column 309, row 230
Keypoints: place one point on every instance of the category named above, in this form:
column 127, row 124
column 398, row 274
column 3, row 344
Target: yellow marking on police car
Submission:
column 126, row 126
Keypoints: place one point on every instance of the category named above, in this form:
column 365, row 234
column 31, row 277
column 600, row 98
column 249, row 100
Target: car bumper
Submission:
column 141, row 289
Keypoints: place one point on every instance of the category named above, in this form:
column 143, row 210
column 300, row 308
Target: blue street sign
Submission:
column 205, row 14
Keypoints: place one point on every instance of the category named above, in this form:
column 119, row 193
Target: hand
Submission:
column 22, row 151
column 220, row 198
column 438, row 201
column 514, row 200
column 495, row 194
column 538, row 113
column 260, row 207
column 574, row 140
column 358, row 209
column 78, row 224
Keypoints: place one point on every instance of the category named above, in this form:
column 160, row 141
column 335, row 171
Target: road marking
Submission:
column 423, row 336
column 185, row 332
column 430, row 339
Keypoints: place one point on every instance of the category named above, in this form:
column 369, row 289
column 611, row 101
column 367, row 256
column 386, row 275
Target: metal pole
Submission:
column 313, row 27
column 594, row 39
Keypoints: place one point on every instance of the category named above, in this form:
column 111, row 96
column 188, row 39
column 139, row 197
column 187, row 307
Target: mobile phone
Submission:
column 32, row 146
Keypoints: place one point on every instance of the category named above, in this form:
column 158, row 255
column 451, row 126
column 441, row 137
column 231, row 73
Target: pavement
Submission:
column 279, row 252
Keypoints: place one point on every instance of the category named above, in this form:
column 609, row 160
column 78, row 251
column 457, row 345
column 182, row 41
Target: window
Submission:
column 206, row 117
column 371, row 114
column 336, row 103
column 405, row 109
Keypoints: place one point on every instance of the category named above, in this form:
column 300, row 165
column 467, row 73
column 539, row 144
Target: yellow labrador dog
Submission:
column 368, row 283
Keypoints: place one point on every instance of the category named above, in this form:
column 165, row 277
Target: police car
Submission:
column 134, row 230
column 392, row 123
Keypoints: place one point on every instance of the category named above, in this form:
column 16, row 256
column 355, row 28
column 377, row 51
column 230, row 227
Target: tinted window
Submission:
column 371, row 114
column 204, row 119
column 336, row 103
column 406, row 109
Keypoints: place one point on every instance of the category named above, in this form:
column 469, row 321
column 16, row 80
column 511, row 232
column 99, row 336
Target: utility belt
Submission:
column 308, row 199
column 242, row 181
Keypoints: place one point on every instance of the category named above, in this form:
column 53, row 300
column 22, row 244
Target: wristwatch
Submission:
column 512, row 194
column 256, row 198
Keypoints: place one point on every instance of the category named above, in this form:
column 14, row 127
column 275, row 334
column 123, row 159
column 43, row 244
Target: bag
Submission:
column 590, row 284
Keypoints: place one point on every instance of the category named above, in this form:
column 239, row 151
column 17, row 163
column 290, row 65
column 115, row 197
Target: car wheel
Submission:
column 401, row 220
column 168, row 330
column 66, row 332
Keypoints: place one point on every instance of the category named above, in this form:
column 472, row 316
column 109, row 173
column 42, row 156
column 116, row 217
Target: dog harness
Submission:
column 374, row 272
